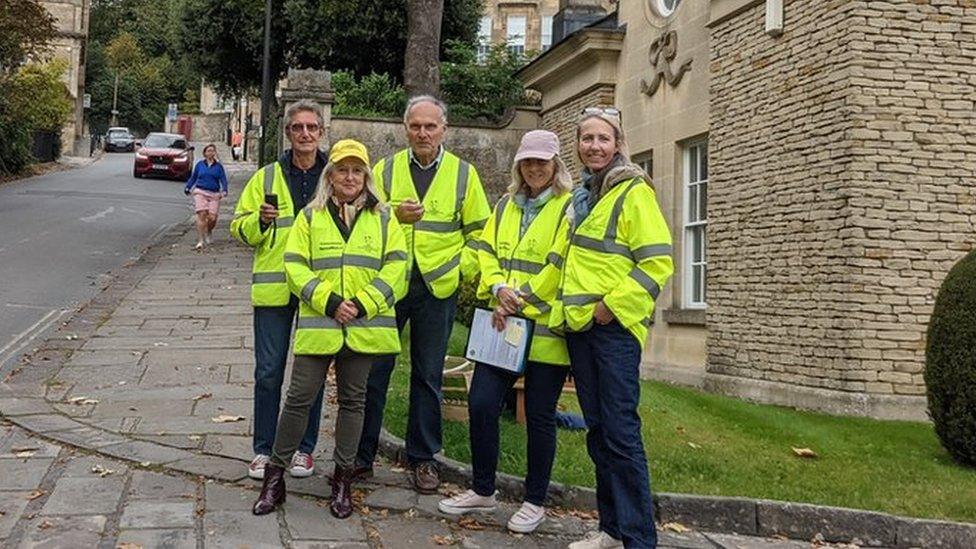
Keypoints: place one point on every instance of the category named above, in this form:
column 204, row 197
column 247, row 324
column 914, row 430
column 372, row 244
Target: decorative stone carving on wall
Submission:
column 662, row 54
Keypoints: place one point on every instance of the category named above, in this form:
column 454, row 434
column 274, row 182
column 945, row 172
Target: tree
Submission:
column 480, row 91
column 123, row 55
column 223, row 38
column 26, row 29
column 39, row 97
column 421, row 70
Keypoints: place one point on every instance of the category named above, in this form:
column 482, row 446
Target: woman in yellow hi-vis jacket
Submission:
column 514, row 250
column 346, row 260
column 618, row 259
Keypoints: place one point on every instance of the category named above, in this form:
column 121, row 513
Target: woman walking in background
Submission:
column 207, row 184
column 618, row 260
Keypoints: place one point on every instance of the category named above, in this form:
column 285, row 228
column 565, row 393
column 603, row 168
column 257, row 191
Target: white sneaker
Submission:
column 597, row 540
column 527, row 519
column 256, row 469
column 301, row 465
column 467, row 502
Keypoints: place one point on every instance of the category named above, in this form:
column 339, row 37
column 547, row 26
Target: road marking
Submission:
column 137, row 212
column 23, row 339
column 99, row 215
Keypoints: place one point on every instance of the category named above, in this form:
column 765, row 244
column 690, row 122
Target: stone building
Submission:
column 528, row 26
column 817, row 163
column 69, row 44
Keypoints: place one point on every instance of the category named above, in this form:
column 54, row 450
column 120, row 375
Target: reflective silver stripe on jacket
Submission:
column 474, row 226
column 443, row 269
column 309, row 290
column 543, row 331
column 353, row 260
column 384, row 289
column 461, row 186
column 652, row 250
column 481, row 245
column 326, row 263
column 388, row 177
column 437, row 226
column 645, row 281
column 268, row 278
column 325, row 322
column 292, row 257
column 523, row 265
column 581, row 299
column 397, row 255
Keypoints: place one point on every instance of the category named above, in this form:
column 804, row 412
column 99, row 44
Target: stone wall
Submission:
column 69, row 44
column 562, row 119
column 841, row 192
column 489, row 148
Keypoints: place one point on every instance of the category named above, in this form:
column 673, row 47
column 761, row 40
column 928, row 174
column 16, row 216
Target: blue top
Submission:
column 208, row 178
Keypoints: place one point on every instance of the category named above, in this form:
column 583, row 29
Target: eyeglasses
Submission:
column 298, row 127
column 608, row 111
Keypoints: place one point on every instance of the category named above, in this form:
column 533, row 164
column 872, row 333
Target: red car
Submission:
column 165, row 155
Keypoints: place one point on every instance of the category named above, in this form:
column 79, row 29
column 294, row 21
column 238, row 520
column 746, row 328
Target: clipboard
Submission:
column 508, row 349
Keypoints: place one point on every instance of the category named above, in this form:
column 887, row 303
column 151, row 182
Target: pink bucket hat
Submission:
column 540, row 144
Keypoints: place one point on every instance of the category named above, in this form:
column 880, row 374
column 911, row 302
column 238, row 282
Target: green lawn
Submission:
column 712, row 445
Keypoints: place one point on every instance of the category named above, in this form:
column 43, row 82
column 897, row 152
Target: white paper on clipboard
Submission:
column 507, row 349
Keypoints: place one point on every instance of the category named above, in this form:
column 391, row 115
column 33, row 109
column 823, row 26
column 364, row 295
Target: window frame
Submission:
column 516, row 42
column 690, row 227
column 661, row 8
column 484, row 40
column 543, row 34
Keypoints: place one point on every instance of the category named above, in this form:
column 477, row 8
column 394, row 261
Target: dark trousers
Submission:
column 430, row 321
column 543, row 385
column 272, row 337
column 307, row 380
column 606, row 364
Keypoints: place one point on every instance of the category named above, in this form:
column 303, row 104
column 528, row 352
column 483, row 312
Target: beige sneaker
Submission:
column 467, row 502
column 527, row 519
column 597, row 540
column 256, row 469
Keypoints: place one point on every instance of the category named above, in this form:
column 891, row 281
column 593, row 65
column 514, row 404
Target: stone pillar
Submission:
column 311, row 84
column 574, row 15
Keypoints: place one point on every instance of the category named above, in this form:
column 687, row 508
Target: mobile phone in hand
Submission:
column 271, row 198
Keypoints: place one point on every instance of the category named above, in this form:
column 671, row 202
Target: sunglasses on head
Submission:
column 608, row 111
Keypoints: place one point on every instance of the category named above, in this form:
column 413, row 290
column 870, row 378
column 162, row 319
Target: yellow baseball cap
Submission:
column 345, row 148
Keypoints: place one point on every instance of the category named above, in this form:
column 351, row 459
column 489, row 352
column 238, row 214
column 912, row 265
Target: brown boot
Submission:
column 341, row 504
column 273, row 490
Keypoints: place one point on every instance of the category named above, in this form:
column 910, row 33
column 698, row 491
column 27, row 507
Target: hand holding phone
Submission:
column 269, row 210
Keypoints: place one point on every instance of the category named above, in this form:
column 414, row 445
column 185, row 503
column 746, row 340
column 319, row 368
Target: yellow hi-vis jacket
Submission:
column 620, row 253
column 368, row 267
column 268, row 287
column 455, row 210
column 507, row 259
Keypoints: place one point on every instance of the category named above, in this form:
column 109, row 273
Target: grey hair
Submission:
column 323, row 193
column 304, row 105
column 416, row 100
column 562, row 181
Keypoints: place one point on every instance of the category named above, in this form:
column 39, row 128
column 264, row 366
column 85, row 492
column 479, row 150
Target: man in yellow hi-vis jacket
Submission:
column 441, row 205
column 263, row 218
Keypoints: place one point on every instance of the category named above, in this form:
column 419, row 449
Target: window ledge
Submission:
column 690, row 317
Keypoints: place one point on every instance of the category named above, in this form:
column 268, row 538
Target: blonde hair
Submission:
column 618, row 133
column 562, row 181
column 323, row 193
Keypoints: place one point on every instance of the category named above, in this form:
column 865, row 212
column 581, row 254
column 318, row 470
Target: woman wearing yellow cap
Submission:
column 346, row 260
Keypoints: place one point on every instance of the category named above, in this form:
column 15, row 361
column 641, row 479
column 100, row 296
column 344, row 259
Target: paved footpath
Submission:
column 130, row 427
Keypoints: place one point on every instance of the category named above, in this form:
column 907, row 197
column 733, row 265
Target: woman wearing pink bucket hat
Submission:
column 514, row 257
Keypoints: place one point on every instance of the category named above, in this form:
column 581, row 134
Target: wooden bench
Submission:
column 569, row 387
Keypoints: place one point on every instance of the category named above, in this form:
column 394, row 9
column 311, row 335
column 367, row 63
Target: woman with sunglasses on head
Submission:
column 207, row 184
column 346, row 259
column 617, row 261
column 512, row 252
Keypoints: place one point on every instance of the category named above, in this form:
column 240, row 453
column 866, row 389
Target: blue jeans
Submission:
column 272, row 337
column 543, row 384
column 606, row 365
column 430, row 320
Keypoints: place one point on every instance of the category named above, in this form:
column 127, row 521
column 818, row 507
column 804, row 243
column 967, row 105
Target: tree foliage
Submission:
column 26, row 29
column 374, row 95
column 480, row 91
column 223, row 38
column 950, row 363
column 39, row 97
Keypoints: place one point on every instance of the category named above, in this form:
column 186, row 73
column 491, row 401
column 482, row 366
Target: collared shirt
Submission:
column 531, row 207
column 422, row 175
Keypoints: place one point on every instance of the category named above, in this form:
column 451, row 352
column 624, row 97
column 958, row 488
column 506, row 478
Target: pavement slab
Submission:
column 21, row 473
column 161, row 487
column 54, row 532
column 158, row 514
column 233, row 529
column 101, row 496
column 159, row 539
column 311, row 520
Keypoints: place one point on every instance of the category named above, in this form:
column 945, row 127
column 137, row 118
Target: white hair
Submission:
column 304, row 105
column 416, row 100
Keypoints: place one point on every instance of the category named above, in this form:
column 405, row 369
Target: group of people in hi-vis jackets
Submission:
column 359, row 250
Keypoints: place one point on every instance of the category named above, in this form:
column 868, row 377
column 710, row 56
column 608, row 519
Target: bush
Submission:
column 38, row 95
column 950, row 362
column 15, row 139
column 480, row 91
column 374, row 95
column 468, row 301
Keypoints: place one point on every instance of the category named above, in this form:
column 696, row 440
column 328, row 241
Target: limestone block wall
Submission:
column 842, row 190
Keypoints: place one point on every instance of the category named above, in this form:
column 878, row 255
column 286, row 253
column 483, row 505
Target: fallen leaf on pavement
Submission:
column 194, row 437
column 226, row 419
column 469, row 523
column 16, row 449
column 674, row 527
column 203, row 396
column 71, row 337
column 102, row 471
column 442, row 540
column 44, row 525
column 24, row 454
column 78, row 401
column 35, row 494
column 128, row 545
column 804, row 452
